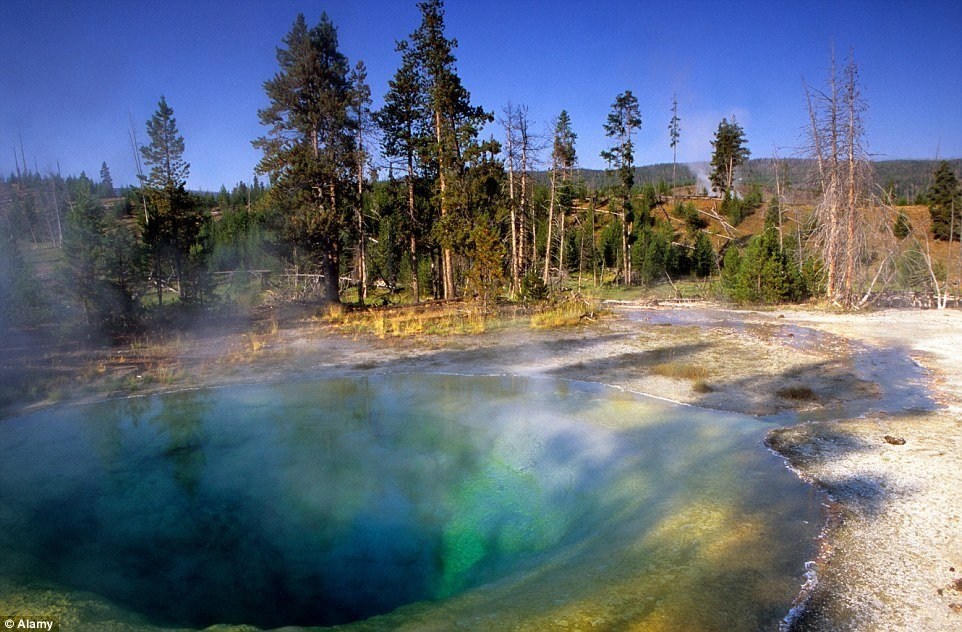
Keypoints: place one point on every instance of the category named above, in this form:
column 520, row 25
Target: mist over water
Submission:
column 506, row 501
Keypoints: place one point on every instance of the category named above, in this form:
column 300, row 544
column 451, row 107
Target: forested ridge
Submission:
column 433, row 196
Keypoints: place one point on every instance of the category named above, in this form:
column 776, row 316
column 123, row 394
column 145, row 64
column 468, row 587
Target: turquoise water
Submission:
column 483, row 502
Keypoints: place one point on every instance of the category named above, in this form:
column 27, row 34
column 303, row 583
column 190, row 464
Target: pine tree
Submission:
column 703, row 261
column 456, row 124
column 764, row 273
column 106, row 182
column 729, row 154
column 405, row 124
column 623, row 120
column 310, row 148
column 102, row 262
column 484, row 248
column 173, row 223
column 360, row 109
column 165, row 153
column 674, row 134
column 945, row 203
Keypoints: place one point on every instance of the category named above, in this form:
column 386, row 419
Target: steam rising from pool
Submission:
column 482, row 501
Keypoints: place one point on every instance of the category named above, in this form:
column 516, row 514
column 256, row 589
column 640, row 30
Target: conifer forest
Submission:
column 434, row 196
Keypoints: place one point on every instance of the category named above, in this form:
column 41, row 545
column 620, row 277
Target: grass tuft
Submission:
column 336, row 313
column 797, row 393
column 418, row 320
column 680, row 370
column 565, row 314
column 702, row 386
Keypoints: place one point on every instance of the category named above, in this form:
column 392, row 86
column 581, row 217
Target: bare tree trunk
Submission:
column 561, row 244
column 56, row 205
column 960, row 259
column 509, row 129
column 674, row 160
column 778, row 198
column 626, row 261
column 412, row 213
column 139, row 165
column 23, row 156
column 361, row 238
column 731, row 174
column 332, row 289
column 523, row 130
column 960, row 262
column 331, row 261
column 852, row 206
column 447, row 257
column 547, row 247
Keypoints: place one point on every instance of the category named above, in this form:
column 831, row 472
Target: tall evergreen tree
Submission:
column 483, row 244
column 945, row 203
column 729, row 154
column 764, row 273
column 106, row 182
column 309, row 150
column 173, row 221
column 360, row 109
column 165, row 153
column 101, row 268
column 623, row 120
column 405, row 124
column 456, row 126
column 674, row 134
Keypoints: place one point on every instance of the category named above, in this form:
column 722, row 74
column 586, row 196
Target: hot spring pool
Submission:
column 404, row 501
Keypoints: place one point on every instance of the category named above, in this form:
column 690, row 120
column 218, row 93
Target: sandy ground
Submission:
column 838, row 385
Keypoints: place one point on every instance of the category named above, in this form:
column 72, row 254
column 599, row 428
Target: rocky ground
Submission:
column 892, row 559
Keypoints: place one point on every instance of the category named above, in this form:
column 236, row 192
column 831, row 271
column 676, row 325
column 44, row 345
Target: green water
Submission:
column 400, row 502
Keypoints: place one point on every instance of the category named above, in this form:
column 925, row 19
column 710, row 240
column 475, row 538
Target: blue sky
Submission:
column 73, row 73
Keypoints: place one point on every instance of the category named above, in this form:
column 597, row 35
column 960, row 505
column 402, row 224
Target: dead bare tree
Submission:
column 510, row 137
column 522, row 148
column 134, row 147
column 562, row 164
column 778, row 197
column 843, row 173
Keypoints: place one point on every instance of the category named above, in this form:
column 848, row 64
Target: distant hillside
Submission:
column 653, row 174
column 904, row 178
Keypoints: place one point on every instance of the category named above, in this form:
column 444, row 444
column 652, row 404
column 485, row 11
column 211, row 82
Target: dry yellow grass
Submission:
column 416, row 320
column 680, row 370
column 564, row 314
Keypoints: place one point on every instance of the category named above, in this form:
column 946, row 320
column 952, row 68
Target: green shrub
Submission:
column 764, row 273
column 533, row 288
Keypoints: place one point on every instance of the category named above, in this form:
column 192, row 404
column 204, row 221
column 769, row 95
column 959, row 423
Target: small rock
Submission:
column 956, row 607
column 957, row 584
column 894, row 440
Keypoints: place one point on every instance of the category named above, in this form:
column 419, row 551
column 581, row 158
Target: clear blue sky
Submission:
column 73, row 71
